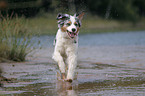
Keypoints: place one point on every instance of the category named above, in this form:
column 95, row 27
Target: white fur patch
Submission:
column 65, row 52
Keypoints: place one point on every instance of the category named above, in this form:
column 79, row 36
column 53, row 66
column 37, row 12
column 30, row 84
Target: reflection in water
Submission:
column 65, row 89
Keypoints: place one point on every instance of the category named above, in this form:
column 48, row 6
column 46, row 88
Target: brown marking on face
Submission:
column 78, row 30
column 76, row 23
column 69, row 23
column 63, row 29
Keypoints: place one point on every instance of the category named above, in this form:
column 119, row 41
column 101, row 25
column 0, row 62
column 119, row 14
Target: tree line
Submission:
column 109, row 9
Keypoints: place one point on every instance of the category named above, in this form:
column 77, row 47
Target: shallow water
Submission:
column 108, row 65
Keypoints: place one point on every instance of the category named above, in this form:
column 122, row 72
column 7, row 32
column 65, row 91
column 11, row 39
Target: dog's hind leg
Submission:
column 58, row 58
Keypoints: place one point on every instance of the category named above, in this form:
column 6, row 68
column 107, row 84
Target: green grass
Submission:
column 92, row 24
column 47, row 25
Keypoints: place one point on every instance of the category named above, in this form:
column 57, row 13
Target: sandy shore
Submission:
column 131, row 56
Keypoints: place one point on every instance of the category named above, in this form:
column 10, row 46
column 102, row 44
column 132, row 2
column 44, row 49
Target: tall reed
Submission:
column 15, row 40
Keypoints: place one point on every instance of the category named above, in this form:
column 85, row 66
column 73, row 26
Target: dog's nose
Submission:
column 73, row 29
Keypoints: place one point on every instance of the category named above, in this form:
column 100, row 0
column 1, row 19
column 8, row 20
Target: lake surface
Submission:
column 109, row 64
column 102, row 39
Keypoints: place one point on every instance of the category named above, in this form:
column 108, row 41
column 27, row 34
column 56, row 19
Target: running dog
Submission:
column 66, row 44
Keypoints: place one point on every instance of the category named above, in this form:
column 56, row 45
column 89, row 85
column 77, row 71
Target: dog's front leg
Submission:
column 59, row 59
column 72, row 63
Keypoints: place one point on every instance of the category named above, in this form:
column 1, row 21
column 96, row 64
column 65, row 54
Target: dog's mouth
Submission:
column 71, row 34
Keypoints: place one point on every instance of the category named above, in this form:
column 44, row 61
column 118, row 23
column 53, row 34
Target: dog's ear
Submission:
column 75, row 15
column 80, row 16
column 62, row 16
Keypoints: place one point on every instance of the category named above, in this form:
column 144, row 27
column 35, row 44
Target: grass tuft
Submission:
column 15, row 40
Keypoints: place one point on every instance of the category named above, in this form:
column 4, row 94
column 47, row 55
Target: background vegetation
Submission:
column 108, row 9
column 38, row 17
column 15, row 40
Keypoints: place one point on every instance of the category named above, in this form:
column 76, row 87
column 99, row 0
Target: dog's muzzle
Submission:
column 71, row 34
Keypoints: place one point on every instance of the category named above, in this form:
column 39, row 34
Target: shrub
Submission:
column 15, row 40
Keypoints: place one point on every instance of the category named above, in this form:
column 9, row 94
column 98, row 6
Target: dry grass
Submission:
column 15, row 40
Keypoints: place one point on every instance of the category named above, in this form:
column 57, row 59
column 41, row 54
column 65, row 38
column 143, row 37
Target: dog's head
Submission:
column 70, row 24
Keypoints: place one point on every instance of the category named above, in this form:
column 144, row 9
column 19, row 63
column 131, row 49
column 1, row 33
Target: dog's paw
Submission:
column 69, row 80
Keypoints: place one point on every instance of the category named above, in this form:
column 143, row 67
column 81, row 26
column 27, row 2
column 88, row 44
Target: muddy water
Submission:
column 110, row 64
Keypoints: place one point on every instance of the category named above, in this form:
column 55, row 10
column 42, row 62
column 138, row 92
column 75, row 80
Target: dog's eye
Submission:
column 68, row 24
column 76, row 24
